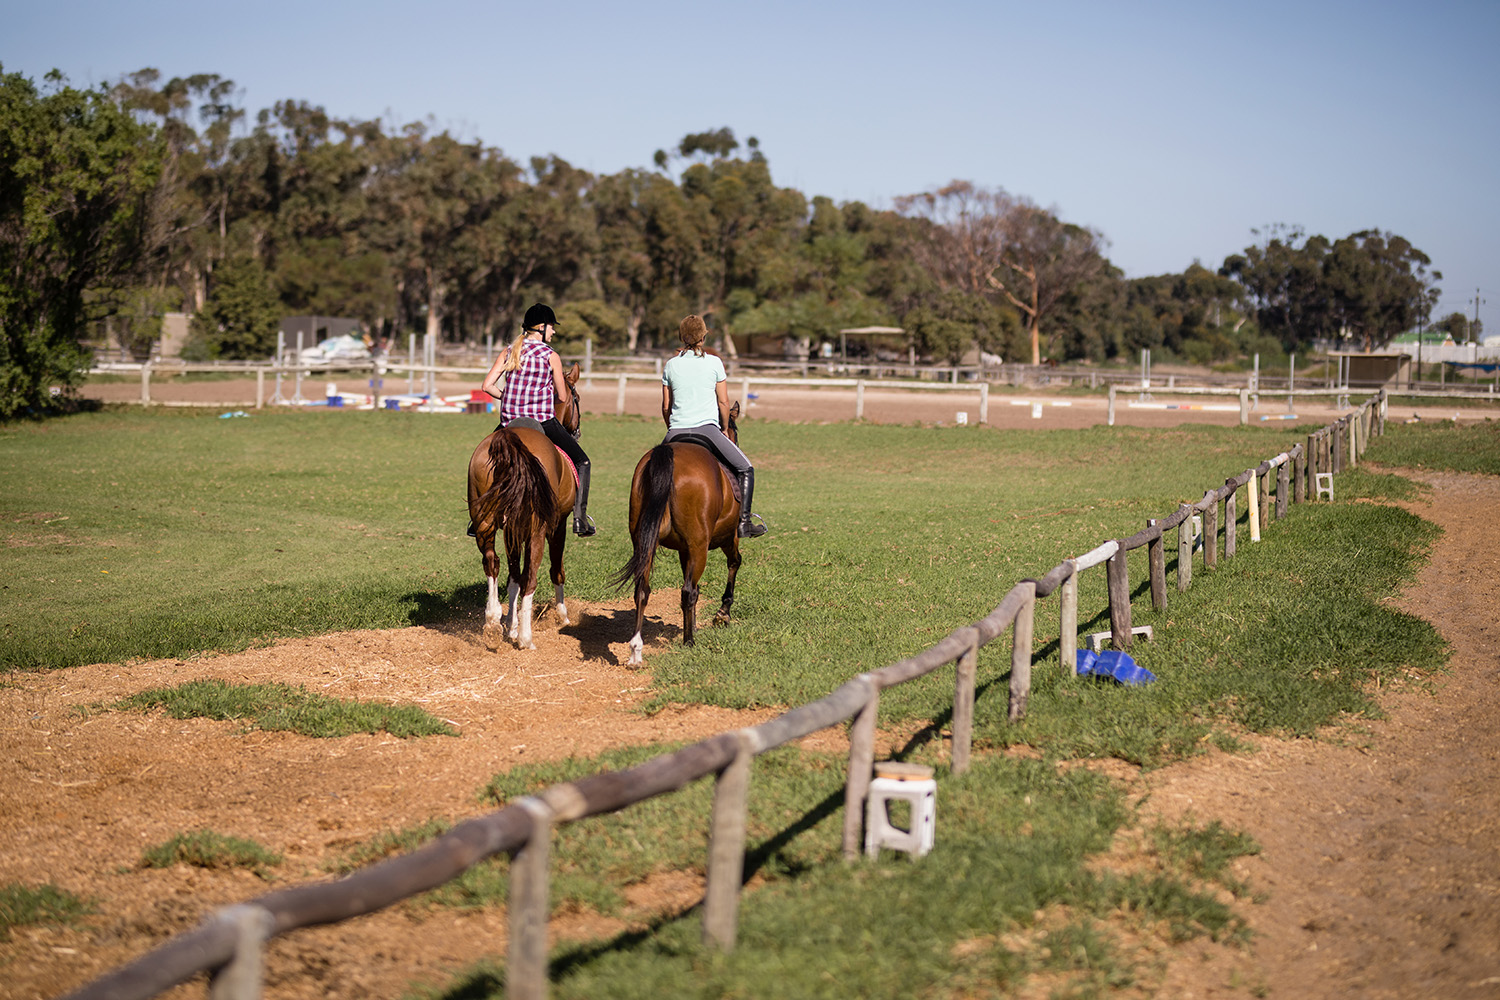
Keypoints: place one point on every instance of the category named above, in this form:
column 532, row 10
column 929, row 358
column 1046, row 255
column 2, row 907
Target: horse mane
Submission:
column 656, row 492
column 519, row 488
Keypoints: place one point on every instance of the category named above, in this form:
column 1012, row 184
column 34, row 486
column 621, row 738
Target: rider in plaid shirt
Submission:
column 533, row 379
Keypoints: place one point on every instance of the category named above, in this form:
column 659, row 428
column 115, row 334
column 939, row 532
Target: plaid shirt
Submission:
column 528, row 390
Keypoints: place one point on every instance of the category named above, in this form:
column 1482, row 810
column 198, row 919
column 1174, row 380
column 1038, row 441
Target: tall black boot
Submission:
column 581, row 525
column 748, row 528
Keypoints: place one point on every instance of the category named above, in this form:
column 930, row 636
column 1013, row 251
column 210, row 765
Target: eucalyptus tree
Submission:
column 753, row 224
column 1369, row 285
column 988, row 241
column 533, row 239
column 77, row 172
column 652, row 256
column 427, row 193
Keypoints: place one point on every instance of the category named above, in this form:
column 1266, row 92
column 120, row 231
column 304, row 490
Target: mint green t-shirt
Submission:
column 692, row 380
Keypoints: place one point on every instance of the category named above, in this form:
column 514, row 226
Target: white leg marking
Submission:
column 524, row 642
column 562, row 605
column 635, row 649
column 512, row 588
column 494, row 614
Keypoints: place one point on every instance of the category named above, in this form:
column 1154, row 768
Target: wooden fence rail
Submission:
column 229, row 944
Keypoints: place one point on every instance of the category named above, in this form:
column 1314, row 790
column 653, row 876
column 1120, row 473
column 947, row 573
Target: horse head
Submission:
column 570, row 412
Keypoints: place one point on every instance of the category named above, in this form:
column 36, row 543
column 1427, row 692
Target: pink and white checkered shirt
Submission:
column 529, row 390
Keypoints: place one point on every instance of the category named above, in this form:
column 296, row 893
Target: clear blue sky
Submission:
column 1173, row 128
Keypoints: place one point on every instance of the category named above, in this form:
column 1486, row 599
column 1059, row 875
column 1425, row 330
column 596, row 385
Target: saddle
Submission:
column 532, row 423
column 707, row 443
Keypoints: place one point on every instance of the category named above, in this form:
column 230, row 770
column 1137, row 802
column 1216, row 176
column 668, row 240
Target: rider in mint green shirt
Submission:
column 695, row 400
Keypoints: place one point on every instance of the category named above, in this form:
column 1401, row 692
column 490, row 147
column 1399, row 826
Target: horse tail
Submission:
column 656, row 493
column 520, row 493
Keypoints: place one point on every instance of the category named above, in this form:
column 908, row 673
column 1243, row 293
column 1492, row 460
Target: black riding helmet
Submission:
column 538, row 316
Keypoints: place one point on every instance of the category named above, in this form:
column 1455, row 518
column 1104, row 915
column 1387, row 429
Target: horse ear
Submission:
column 734, row 409
column 571, row 377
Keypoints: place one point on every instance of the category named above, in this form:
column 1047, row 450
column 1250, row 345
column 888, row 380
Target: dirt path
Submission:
column 1379, row 858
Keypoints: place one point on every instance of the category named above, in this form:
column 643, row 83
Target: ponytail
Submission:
column 513, row 353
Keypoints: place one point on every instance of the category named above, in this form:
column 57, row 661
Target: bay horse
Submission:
column 681, row 498
column 521, row 485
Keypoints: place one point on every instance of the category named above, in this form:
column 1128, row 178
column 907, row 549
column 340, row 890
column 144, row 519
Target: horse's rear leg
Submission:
column 642, row 595
column 732, row 556
column 693, row 562
column 555, row 546
column 528, row 591
column 494, row 614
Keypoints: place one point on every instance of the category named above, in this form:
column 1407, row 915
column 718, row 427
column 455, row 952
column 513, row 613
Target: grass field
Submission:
column 169, row 533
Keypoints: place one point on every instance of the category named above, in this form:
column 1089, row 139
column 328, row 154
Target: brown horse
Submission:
column 521, row 484
column 681, row 498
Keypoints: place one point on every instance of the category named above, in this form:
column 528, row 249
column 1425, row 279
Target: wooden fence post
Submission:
column 726, row 849
column 1156, row 567
column 1185, row 549
column 1283, row 481
column 984, row 402
column 963, row 702
column 1253, row 505
column 1301, row 472
column 526, row 965
column 1117, row 577
column 146, row 384
column 620, row 397
column 1211, row 534
column 241, row 977
column 859, row 399
column 1067, row 640
column 1020, row 656
column 861, row 765
column 1231, row 515
column 1111, row 411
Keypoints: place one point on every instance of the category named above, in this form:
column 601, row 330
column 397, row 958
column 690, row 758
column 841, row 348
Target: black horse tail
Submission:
column 656, row 492
column 520, row 493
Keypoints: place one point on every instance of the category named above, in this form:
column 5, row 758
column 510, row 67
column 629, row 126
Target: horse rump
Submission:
column 655, row 494
column 520, row 494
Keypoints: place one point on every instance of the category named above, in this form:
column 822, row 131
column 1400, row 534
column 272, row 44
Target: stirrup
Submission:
column 473, row 531
column 749, row 529
column 584, row 528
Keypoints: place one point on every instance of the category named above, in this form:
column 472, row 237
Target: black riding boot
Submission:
column 581, row 525
column 748, row 528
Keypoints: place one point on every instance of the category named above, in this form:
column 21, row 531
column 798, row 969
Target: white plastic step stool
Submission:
column 920, row 792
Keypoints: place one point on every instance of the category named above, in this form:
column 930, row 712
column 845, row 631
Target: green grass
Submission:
column 281, row 707
column 164, row 533
column 1440, row 445
column 1015, row 838
column 26, row 906
column 206, row 849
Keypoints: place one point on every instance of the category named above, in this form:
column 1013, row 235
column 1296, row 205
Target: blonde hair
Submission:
column 513, row 352
column 692, row 331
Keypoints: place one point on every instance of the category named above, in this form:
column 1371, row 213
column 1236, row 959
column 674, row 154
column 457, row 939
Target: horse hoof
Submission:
column 722, row 618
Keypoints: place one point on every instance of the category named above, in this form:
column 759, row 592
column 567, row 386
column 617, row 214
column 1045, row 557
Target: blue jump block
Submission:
column 1115, row 665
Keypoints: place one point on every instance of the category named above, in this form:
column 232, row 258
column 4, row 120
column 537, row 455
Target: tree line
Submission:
column 124, row 201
